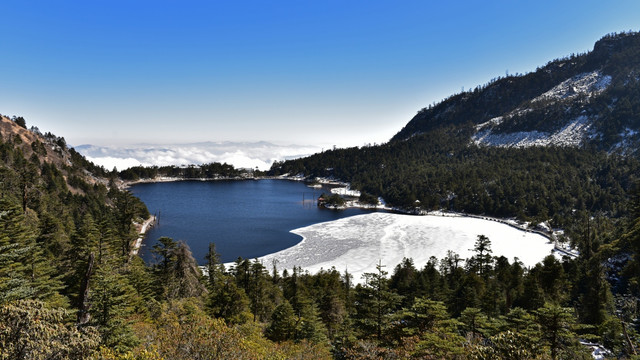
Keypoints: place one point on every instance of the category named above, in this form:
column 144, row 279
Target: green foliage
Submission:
column 442, row 171
column 556, row 328
column 19, row 120
column 31, row 330
column 507, row 345
column 368, row 199
column 482, row 260
column 377, row 304
column 283, row 323
column 333, row 200
column 206, row 171
column 177, row 273
column 475, row 322
column 229, row 302
column 182, row 331
column 263, row 295
column 111, row 301
column 25, row 271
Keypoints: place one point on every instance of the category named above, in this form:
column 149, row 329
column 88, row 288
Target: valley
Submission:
column 556, row 149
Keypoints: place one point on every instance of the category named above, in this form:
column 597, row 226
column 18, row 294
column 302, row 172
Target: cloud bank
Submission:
column 239, row 154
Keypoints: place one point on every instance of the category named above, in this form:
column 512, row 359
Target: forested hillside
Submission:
column 70, row 288
column 599, row 91
column 558, row 144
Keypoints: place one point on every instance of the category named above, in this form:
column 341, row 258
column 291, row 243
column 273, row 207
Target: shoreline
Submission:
column 146, row 225
column 357, row 243
column 550, row 234
column 125, row 184
column 342, row 186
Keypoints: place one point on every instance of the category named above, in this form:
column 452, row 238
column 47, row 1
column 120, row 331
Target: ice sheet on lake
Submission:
column 357, row 243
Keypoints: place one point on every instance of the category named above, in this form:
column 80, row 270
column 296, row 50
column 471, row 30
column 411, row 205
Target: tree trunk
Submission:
column 83, row 312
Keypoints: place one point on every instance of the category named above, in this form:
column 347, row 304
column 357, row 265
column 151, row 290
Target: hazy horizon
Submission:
column 248, row 155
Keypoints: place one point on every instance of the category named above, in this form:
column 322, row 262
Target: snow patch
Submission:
column 345, row 191
column 492, row 122
column 592, row 83
column 571, row 134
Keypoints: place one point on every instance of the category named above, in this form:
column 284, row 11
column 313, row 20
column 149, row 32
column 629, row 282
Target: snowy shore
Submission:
column 358, row 243
column 146, row 225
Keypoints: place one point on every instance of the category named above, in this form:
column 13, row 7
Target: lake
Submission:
column 244, row 218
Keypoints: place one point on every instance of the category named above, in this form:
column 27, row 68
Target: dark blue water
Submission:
column 243, row 218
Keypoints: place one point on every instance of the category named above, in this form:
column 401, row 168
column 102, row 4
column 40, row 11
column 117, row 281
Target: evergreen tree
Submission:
column 310, row 326
column 177, row 273
column 283, row 323
column 482, row 260
column 375, row 303
column 556, row 328
column 187, row 278
column 229, row 302
column 164, row 253
column 214, row 268
column 404, row 281
column 475, row 322
column 111, row 298
column 14, row 237
column 25, row 272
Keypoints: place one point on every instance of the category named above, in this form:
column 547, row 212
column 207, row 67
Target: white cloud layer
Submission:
column 238, row 154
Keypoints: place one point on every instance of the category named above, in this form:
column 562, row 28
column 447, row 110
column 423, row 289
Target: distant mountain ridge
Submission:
column 239, row 154
column 590, row 99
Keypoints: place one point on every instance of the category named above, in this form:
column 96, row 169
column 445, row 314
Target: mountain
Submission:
column 50, row 149
column 586, row 99
column 552, row 145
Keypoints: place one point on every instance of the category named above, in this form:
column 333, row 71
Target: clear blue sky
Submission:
column 324, row 71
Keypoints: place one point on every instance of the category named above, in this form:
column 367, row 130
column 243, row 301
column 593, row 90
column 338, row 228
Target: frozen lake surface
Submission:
column 358, row 243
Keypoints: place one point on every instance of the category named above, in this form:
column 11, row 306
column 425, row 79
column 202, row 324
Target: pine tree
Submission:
column 474, row 322
column 310, row 326
column 229, row 302
column 556, row 328
column 481, row 262
column 112, row 298
column 404, row 280
column 283, row 323
column 437, row 333
column 214, row 268
column 164, row 254
column 177, row 273
column 25, row 272
column 263, row 295
column 375, row 303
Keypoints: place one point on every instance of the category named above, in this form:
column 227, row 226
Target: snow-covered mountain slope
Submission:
column 572, row 134
column 586, row 84
column 588, row 99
